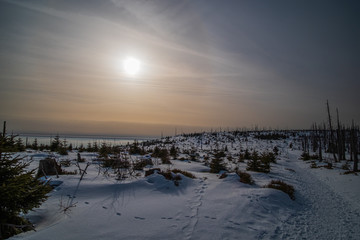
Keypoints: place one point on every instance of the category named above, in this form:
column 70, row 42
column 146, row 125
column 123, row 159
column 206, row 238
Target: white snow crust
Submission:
column 327, row 202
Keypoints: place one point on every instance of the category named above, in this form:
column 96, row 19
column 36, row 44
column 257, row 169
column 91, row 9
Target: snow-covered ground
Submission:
column 328, row 205
column 326, row 202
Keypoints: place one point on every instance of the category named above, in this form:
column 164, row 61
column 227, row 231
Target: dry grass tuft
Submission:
column 282, row 186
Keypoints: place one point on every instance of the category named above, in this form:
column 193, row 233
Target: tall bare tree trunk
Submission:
column 4, row 129
column 354, row 145
column 319, row 131
column 331, row 132
column 339, row 137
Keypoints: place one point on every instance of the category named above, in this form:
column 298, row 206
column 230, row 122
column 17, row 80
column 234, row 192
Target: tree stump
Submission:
column 48, row 166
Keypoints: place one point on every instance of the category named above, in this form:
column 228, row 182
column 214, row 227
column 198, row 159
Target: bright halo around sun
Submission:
column 131, row 66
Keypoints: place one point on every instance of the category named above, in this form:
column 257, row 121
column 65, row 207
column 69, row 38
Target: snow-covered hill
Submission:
column 326, row 204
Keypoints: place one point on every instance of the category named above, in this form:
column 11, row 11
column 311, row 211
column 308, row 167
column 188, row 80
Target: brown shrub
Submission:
column 282, row 186
column 223, row 175
column 245, row 177
column 185, row 173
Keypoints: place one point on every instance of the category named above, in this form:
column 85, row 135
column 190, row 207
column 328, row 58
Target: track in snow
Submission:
column 323, row 213
column 194, row 204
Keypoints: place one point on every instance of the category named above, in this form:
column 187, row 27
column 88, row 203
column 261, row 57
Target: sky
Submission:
column 203, row 64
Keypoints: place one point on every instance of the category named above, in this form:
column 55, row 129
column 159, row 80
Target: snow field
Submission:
column 207, row 207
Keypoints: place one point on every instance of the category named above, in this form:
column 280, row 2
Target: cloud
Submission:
column 205, row 62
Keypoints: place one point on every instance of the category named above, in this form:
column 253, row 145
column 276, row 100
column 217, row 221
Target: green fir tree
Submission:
column 20, row 192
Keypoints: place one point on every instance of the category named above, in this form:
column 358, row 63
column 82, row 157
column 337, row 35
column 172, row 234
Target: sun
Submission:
column 131, row 66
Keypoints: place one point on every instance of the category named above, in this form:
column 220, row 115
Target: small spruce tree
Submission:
column 35, row 144
column 173, row 151
column 247, row 154
column 258, row 164
column 20, row 192
column 104, row 151
column 165, row 157
column 81, row 148
column 55, row 144
column 217, row 165
column 156, row 152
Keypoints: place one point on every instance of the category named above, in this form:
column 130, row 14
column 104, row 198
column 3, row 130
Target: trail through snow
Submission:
column 323, row 213
column 194, row 204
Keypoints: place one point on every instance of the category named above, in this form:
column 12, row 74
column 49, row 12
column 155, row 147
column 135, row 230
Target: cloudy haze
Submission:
column 204, row 64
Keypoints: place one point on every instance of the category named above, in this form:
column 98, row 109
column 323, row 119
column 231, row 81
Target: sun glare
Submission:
column 131, row 66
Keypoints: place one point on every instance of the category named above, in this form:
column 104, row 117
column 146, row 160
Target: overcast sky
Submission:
column 204, row 64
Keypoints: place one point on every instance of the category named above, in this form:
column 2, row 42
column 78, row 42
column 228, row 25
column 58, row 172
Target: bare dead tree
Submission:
column 354, row 145
column 4, row 130
column 341, row 138
column 331, row 145
column 69, row 204
column 318, row 134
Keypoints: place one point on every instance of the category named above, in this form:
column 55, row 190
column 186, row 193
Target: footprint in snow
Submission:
column 119, row 214
column 104, row 207
column 86, row 202
column 235, row 223
column 139, row 218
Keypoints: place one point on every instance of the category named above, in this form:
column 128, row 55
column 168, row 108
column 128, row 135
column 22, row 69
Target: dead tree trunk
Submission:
column 331, row 145
column 319, row 133
column 354, row 146
column 338, row 135
column 4, row 130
